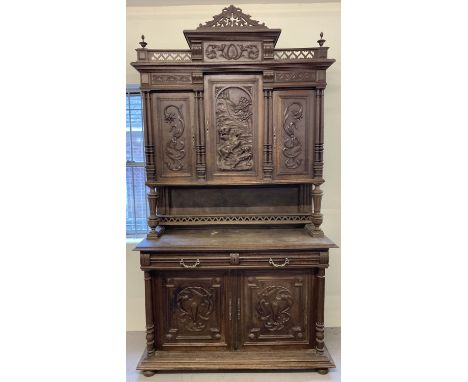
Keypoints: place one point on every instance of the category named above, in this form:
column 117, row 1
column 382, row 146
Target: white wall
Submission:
column 301, row 25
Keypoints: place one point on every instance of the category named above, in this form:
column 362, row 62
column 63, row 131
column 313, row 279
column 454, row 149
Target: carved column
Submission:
column 150, row 166
column 268, row 79
column 149, row 145
column 319, row 322
column 318, row 147
column 200, row 147
column 149, row 315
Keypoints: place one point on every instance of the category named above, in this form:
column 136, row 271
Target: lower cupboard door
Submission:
column 275, row 309
column 190, row 308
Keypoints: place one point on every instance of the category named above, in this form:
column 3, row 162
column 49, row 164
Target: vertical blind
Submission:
column 137, row 204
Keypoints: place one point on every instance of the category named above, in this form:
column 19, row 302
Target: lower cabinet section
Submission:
column 233, row 309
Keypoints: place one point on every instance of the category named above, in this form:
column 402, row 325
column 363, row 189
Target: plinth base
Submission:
column 236, row 360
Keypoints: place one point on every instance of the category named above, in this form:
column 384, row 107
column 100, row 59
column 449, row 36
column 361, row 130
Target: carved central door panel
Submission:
column 294, row 133
column 234, row 134
column 276, row 308
column 194, row 306
column 172, row 114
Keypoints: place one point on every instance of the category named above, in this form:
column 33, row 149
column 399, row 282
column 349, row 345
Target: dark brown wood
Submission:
column 235, row 257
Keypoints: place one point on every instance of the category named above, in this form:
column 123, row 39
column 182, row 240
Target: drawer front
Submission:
column 231, row 260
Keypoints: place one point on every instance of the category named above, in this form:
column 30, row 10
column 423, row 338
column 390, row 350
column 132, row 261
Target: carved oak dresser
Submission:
column 234, row 261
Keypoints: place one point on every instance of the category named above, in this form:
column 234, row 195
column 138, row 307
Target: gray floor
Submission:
column 136, row 344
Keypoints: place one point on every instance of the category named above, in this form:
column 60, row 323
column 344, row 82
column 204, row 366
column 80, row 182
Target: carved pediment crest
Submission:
column 232, row 17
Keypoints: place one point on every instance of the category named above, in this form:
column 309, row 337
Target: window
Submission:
column 137, row 204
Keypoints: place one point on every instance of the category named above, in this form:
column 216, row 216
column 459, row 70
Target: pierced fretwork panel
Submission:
column 192, row 309
column 276, row 307
column 294, row 54
column 174, row 56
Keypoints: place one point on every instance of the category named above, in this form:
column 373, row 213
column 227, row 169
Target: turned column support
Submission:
column 317, row 217
column 268, row 146
column 200, row 145
column 156, row 230
column 149, row 316
column 319, row 322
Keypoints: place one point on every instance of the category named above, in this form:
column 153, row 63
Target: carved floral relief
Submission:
column 234, row 139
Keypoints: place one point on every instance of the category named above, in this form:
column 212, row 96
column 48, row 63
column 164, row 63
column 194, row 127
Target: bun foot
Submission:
column 322, row 371
column 149, row 373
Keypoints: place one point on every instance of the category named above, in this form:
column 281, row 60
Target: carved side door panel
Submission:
column 192, row 307
column 172, row 116
column 234, row 127
column 275, row 308
column 293, row 133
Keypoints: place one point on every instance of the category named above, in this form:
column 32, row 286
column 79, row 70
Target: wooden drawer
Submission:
column 231, row 260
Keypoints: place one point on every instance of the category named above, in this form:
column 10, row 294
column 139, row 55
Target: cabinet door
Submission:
column 234, row 139
column 192, row 309
column 173, row 130
column 275, row 308
column 294, row 125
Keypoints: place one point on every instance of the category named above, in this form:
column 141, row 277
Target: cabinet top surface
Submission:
column 222, row 239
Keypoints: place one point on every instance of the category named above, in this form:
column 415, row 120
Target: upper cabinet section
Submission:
column 233, row 109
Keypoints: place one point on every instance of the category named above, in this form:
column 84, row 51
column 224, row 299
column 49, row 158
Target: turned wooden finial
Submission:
column 321, row 41
column 142, row 42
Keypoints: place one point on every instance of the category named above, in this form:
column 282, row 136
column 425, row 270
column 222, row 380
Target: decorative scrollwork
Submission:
column 170, row 77
column 232, row 51
column 274, row 306
column 194, row 307
column 292, row 145
column 232, row 17
column 175, row 146
column 234, row 128
column 295, row 76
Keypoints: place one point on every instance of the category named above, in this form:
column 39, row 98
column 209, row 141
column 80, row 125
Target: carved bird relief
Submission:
column 273, row 307
column 194, row 305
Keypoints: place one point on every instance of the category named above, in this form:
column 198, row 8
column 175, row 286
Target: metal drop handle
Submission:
column 189, row 266
column 286, row 262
